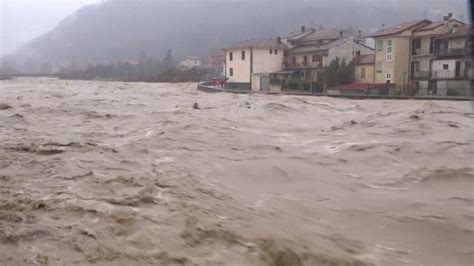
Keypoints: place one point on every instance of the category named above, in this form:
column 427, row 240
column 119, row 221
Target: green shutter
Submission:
column 380, row 45
column 378, row 67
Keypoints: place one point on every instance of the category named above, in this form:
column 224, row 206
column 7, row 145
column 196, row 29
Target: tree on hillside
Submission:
column 142, row 62
column 168, row 61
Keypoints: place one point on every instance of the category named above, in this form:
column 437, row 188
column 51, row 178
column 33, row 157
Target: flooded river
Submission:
column 113, row 173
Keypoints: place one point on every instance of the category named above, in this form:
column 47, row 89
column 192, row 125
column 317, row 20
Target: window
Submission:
column 293, row 60
column 362, row 73
column 231, row 71
column 417, row 66
column 379, row 45
column 432, row 45
column 231, row 56
column 445, row 66
column 378, row 67
column 317, row 58
column 467, row 70
column 416, row 43
column 243, row 55
column 305, row 60
column 270, row 51
column 388, row 78
column 276, row 51
column 389, row 50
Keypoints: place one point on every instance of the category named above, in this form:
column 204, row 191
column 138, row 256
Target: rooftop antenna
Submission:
column 426, row 13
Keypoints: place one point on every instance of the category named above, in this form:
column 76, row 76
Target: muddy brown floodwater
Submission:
column 112, row 173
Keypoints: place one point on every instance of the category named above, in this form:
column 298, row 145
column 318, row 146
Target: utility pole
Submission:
column 404, row 81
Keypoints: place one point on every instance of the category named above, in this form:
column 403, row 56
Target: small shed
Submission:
column 260, row 82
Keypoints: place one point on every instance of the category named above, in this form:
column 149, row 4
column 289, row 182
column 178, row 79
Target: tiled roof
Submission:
column 461, row 31
column 365, row 59
column 294, row 36
column 325, row 34
column 315, row 48
column 257, row 43
column 399, row 28
column 430, row 26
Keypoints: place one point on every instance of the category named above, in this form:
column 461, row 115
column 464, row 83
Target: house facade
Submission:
column 392, row 57
column 364, row 69
column 422, row 56
column 451, row 68
column 255, row 57
column 215, row 61
column 311, row 51
column 189, row 62
column 422, row 51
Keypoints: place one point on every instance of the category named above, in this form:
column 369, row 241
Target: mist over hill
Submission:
column 118, row 29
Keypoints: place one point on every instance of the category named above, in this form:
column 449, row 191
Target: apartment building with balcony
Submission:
column 312, row 50
column 422, row 51
column 452, row 68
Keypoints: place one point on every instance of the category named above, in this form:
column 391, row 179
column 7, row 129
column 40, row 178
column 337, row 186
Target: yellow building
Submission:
column 364, row 68
column 243, row 61
column 392, row 53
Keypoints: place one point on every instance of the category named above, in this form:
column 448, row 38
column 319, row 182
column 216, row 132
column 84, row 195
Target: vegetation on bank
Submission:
column 144, row 69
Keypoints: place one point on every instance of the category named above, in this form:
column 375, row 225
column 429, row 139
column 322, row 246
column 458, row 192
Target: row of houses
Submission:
column 416, row 57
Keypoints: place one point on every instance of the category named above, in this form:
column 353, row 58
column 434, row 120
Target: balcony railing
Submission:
column 302, row 64
column 453, row 52
column 421, row 75
column 450, row 74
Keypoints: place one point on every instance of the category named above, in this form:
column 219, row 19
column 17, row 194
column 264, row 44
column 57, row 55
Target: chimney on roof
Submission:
column 303, row 28
column 341, row 33
column 360, row 33
column 450, row 16
column 278, row 40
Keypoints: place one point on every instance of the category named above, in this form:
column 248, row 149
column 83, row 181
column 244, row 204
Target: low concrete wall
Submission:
column 208, row 87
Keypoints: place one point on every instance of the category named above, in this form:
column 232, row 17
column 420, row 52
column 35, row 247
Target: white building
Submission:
column 452, row 69
column 251, row 61
column 189, row 62
column 312, row 50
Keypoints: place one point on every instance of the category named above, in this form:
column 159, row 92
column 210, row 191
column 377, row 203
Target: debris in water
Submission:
column 4, row 106
column 42, row 150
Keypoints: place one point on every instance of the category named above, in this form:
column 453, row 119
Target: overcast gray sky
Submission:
column 24, row 20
